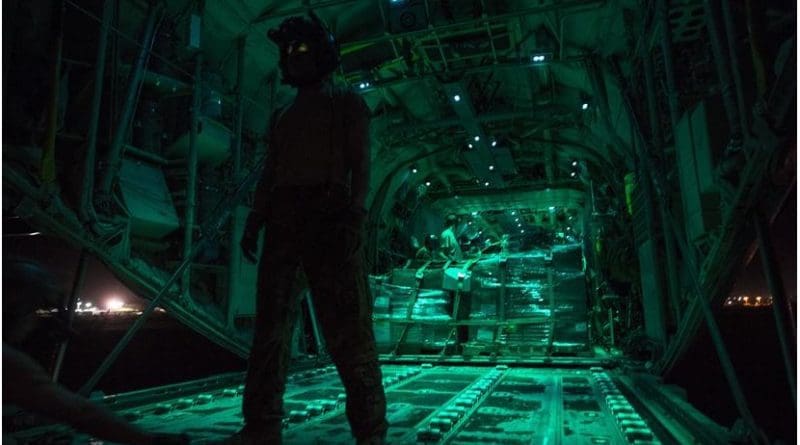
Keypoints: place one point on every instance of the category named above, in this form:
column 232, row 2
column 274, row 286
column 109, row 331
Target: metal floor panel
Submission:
column 429, row 404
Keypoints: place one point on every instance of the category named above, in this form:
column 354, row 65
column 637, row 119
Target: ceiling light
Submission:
column 491, row 167
column 519, row 225
column 414, row 170
column 585, row 106
column 522, row 231
column 574, row 163
column 456, row 98
column 494, row 143
column 513, row 213
column 477, row 138
column 572, row 174
column 428, row 183
column 469, row 145
column 474, row 213
column 516, row 220
column 486, row 183
column 552, row 208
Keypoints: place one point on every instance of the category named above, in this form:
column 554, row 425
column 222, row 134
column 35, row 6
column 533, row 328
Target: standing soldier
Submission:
column 449, row 248
column 311, row 200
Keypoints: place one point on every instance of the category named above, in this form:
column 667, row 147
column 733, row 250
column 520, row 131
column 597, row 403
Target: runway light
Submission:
column 456, row 98
column 494, row 143
column 414, row 170
column 585, row 106
column 491, row 167
column 516, row 220
column 428, row 183
column 486, row 183
column 574, row 163
column 519, row 225
column 522, row 231
column 469, row 145
column 513, row 213
column 477, row 138
column 572, row 174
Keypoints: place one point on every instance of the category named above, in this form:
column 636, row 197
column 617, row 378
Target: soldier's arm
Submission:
column 27, row 385
column 263, row 190
column 266, row 182
column 445, row 250
column 357, row 146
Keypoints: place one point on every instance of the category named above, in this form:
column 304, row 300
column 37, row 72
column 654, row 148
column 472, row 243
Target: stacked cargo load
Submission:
column 531, row 303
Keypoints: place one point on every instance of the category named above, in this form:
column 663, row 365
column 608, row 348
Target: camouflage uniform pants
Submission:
column 306, row 227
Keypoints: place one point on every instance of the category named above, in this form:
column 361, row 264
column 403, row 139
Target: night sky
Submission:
column 62, row 260
column 784, row 240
